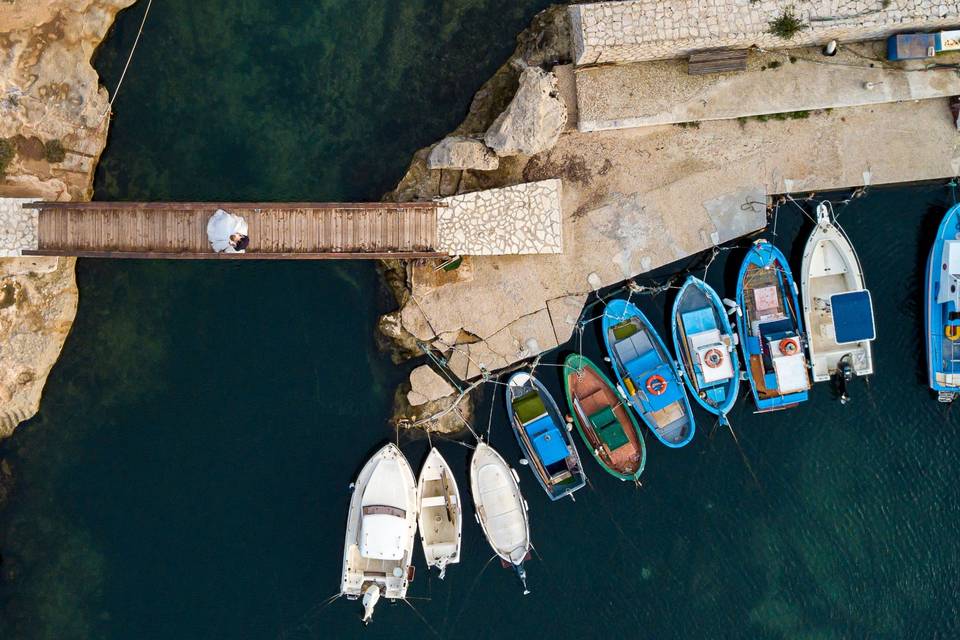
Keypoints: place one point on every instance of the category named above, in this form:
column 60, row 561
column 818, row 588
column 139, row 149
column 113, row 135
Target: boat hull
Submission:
column 764, row 267
column 501, row 509
column 943, row 353
column 695, row 297
column 440, row 517
column 559, row 473
column 387, row 484
column 648, row 376
column 831, row 267
column 583, row 379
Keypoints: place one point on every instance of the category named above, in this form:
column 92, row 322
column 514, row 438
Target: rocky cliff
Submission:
column 53, row 128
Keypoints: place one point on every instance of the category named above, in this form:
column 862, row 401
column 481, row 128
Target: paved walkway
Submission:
column 662, row 92
column 638, row 199
column 517, row 220
column 18, row 227
column 638, row 30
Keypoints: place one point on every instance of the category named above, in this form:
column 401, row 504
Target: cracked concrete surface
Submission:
column 638, row 199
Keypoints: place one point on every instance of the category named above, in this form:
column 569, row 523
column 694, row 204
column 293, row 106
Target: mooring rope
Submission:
column 123, row 74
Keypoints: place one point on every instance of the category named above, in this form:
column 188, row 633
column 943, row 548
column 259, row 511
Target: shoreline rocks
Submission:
column 545, row 43
column 457, row 152
column 53, row 126
column 534, row 119
column 426, row 385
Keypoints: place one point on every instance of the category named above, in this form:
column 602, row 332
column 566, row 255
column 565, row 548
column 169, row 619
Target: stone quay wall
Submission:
column 637, row 30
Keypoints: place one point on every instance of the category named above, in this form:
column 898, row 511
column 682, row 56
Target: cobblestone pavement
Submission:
column 655, row 29
column 18, row 227
column 522, row 219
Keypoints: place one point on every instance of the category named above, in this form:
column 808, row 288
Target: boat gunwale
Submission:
column 755, row 258
column 356, row 498
column 929, row 302
column 733, row 385
column 631, row 310
column 443, row 464
column 825, row 232
column 557, row 417
column 483, row 447
column 569, row 370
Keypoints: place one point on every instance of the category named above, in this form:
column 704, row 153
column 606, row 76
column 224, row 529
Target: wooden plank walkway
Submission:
column 276, row 230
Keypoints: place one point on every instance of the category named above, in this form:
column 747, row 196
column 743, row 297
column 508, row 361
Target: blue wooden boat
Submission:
column 648, row 376
column 942, row 308
column 771, row 329
column 542, row 434
column 705, row 345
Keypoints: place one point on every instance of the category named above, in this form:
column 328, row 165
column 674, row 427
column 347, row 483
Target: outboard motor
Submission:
column 370, row 598
column 844, row 376
column 522, row 574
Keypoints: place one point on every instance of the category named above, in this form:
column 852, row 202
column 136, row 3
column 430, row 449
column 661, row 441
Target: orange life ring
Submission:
column 713, row 358
column 789, row 346
column 952, row 331
column 657, row 385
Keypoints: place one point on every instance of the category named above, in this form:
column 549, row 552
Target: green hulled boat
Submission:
column 603, row 420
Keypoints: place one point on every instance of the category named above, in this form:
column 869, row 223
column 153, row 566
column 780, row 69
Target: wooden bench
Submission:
column 717, row 61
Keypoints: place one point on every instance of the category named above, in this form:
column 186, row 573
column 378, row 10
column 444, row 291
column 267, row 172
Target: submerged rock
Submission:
column 448, row 414
column 426, row 385
column 534, row 119
column 456, row 152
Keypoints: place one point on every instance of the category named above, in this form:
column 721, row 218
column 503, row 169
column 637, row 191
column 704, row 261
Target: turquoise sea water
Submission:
column 187, row 474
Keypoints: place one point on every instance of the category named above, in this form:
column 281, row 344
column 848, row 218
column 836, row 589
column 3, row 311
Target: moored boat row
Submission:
column 787, row 342
column 388, row 505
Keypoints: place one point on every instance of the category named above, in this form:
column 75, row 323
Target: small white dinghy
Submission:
column 837, row 309
column 381, row 527
column 501, row 509
column 441, row 515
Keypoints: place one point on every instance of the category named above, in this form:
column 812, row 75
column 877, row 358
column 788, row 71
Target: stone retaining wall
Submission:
column 637, row 30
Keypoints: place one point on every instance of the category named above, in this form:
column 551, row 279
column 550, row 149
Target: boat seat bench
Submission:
column 609, row 429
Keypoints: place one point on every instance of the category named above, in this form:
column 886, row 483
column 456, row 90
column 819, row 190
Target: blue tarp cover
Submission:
column 547, row 440
column 852, row 316
column 699, row 320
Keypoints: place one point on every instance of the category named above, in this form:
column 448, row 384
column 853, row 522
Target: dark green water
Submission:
column 187, row 474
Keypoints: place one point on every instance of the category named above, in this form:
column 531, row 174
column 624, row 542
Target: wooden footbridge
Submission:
column 291, row 231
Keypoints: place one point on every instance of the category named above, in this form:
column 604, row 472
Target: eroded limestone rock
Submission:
column 534, row 119
column 38, row 301
column 49, row 92
column 50, row 96
column 455, row 152
column 426, row 385
column 444, row 415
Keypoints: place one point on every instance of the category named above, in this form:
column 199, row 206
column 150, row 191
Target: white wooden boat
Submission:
column 837, row 309
column 381, row 527
column 501, row 509
column 441, row 515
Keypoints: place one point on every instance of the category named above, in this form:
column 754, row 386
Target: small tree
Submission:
column 787, row 24
column 53, row 151
column 7, row 151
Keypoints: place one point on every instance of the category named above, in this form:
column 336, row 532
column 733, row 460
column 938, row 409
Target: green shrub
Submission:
column 53, row 151
column 787, row 24
column 7, row 152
